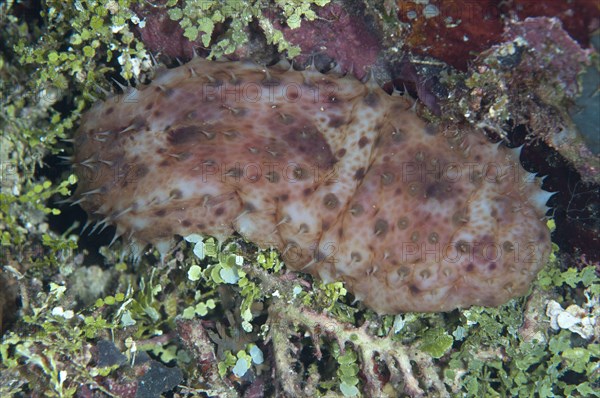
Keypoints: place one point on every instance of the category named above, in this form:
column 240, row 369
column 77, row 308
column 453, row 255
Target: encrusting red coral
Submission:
column 343, row 178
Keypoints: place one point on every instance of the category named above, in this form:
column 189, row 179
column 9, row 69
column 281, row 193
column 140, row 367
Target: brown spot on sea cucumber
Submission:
column 235, row 172
column 331, row 201
column 363, row 141
column 398, row 135
column 300, row 173
column 381, row 228
column 292, row 95
column 437, row 190
column 141, row 170
column 415, row 237
column 508, row 246
column 187, row 135
column 336, row 122
column 371, row 99
column 387, row 178
column 414, row 289
column 433, row 238
column 360, row 174
column 272, row 176
column 175, row 194
column 462, row 246
column 356, row 209
column 403, row 223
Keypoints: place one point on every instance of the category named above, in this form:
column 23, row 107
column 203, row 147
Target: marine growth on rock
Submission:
column 345, row 180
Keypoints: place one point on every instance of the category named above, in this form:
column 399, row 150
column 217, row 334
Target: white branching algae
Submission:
column 346, row 181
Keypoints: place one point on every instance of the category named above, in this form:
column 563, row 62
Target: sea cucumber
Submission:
column 345, row 180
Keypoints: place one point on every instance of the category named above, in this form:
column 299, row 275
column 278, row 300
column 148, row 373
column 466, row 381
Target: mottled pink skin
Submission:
column 345, row 180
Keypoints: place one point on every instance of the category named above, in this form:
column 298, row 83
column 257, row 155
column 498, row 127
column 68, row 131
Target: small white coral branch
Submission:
column 288, row 318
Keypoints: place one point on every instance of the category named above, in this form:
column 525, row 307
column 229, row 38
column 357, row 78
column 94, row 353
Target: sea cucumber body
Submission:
column 344, row 179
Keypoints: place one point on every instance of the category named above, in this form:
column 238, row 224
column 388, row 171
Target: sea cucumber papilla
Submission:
column 344, row 179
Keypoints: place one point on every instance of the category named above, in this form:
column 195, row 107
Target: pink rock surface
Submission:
column 342, row 36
